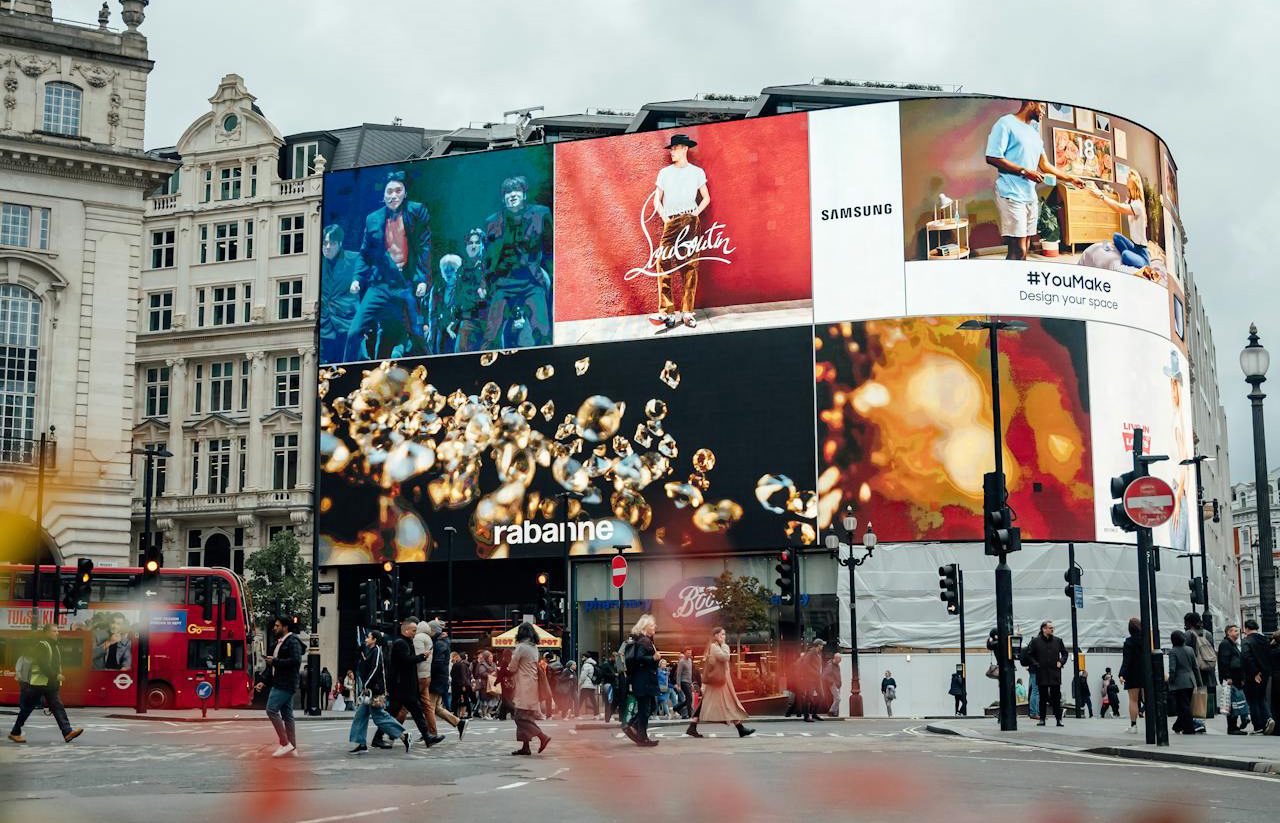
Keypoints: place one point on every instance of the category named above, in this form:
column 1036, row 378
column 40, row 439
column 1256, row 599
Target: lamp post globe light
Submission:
column 1254, row 361
column 849, row 523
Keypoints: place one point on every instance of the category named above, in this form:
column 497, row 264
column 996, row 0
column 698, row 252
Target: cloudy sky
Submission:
column 1195, row 74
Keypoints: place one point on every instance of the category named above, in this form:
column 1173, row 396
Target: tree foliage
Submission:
column 744, row 605
column 279, row 577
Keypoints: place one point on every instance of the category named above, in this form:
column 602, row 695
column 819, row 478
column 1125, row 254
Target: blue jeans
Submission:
column 384, row 721
column 1033, row 696
column 280, row 710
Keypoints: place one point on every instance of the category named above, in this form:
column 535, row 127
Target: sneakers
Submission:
column 1133, row 728
column 660, row 319
column 287, row 748
column 72, row 735
column 1270, row 727
column 361, row 749
column 382, row 744
column 692, row 731
column 743, row 731
column 689, row 320
column 404, row 738
column 647, row 742
column 462, row 726
column 433, row 740
column 16, row 738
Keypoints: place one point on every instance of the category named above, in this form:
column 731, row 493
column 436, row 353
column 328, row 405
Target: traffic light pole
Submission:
column 964, row 668
column 39, row 547
column 1004, row 576
column 144, row 628
column 1075, row 636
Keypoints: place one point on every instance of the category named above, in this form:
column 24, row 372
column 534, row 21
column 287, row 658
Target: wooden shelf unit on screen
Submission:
column 948, row 225
column 1085, row 218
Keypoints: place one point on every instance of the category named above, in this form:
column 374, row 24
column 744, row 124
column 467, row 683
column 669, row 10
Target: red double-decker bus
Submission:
column 193, row 614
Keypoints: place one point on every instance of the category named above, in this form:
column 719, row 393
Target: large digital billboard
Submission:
column 776, row 297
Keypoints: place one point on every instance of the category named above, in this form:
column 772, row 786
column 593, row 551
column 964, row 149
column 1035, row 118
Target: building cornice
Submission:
column 84, row 162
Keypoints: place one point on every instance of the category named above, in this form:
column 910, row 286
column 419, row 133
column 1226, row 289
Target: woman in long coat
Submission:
column 526, row 696
column 720, row 703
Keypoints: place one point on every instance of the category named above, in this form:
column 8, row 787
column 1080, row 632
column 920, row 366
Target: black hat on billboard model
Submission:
column 681, row 140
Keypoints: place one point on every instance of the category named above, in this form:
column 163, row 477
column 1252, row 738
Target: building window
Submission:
column 304, row 160
column 19, row 359
column 242, row 463
column 15, row 225
column 162, row 248
column 248, row 243
column 199, row 388
column 171, row 185
column 195, row 464
column 159, row 469
column 221, row 378
column 160, row 311
column 284, row 471
column 224, row 302
column 62, row 109
column 253, row 180
column 219, row 465
column 288, row 381
column 226, row 242
column 289, row 299
column 244, row 385
column 157, row 391
column 1247, row 574
column 292, row 234
column 229, row 183
column 208, row 188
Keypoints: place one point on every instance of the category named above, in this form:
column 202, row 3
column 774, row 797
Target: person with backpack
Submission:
column 39, row 674
column 326, row 688
column 588, row 683
column 1206, row 660
column 371, row 700
column 607, row 684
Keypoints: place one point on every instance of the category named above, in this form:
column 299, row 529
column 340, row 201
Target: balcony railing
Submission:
column 162, row 203
column 24, row 451
column 232, row 502
column 293, row 188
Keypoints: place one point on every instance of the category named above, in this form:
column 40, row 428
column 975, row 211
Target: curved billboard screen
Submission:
column 716, row 338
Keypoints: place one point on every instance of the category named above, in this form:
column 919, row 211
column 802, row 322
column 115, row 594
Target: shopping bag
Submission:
column 1200, row 702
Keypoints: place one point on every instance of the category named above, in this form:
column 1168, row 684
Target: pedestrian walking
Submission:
column 1110, row 694
column 588, row 683
column 1080, row 694
column 1020, row 691
column 684, row 682
column 720, row 703
column 1256, row 664
column 438, row 688
column 1131, row 664
column 507, row 688
column 1206, row 660
column 641, row 658
column 525, row 674
column 1183, row 678
column 1046, row 654
column 664, row 688
column 608, row 673
column 326, row 688
column 958, row 692
column 402, row 684
column 371, row 700
column 888, row 691
column 40, row 678
column 281, row 676
column 423, row 653
column 834, row 680
column 349, row 689
column 809, row 680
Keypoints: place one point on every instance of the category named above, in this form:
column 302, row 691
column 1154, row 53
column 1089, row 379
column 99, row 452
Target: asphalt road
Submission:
column 865, row 770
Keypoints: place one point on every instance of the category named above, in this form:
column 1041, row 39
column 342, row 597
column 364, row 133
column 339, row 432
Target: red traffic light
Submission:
column 784, row 556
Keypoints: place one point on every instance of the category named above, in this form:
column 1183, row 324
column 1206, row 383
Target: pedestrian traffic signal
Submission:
column 1000, row 535
column 1119, row 517
column 949, row 582
column 1196, row 584
column 1073, row 576
column 786, row 582
column 369, row 611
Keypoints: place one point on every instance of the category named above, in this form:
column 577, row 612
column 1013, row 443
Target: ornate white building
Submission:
column 72, row 178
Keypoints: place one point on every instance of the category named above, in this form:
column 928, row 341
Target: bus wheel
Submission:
column 159, row 696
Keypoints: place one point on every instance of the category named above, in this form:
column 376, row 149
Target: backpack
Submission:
column 1206, row 657
column 594, row 676
column 23, row 670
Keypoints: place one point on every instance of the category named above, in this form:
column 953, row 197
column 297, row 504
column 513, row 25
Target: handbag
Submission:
column 1200, row 702
column 713, row 674
column 1239, row 705
column 993, row 671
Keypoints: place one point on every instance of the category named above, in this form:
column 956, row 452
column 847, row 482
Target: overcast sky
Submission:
column 1197, row 75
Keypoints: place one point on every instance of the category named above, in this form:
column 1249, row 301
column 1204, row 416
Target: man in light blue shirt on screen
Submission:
column 1016, row 149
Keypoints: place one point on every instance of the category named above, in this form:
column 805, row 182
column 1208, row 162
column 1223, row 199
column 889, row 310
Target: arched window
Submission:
column 19, row 358
column 62, row 109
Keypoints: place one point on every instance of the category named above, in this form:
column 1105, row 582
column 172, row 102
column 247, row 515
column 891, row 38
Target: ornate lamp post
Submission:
column 1254, row 360
column 850, row 526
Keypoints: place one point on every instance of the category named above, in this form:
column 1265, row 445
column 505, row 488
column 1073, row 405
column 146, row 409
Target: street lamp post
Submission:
column 150, row 453
column 1004, row 575
column 850, row 524
column 1254, row 360
column 1204, row 554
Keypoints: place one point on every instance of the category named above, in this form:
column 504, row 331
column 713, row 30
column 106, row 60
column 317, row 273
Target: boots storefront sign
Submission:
column 693, row 600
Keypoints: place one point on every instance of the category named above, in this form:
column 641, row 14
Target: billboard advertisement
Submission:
column 737, row 329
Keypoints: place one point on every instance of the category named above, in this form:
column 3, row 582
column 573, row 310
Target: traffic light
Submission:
column 369, row 611
column 1000, row 535
column 407, row 600
column 949, row 582
column 152, row 561
column 1073, row 577
column 1196, row 584
column 786, row 581
column 544, row 598
column 77, row 591
column 204, row 597
column 1119, row 517
column 1217, row 512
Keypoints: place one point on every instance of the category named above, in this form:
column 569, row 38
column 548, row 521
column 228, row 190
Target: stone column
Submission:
column 306, row 455
column 176, row 481
column 259, row 405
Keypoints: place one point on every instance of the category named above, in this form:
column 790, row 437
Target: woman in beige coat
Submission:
column 524, row 673
column 720, row 702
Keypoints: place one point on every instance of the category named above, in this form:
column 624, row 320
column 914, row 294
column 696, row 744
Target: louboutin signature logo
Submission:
column 711, row 244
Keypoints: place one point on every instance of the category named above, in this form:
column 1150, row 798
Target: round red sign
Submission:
column 619, row 571
column 1149, row 502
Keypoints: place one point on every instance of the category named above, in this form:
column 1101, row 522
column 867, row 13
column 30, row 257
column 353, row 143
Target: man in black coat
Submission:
column 1047, row 655
column 283, row 664
column 402, row 685
column 641, row 658
column 1231, row 671
column 1256, row 666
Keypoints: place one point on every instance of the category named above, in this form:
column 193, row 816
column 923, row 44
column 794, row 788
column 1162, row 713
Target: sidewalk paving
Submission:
column 1215, row 748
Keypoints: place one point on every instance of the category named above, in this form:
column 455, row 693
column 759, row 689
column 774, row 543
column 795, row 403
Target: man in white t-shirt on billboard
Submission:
column 679, row 197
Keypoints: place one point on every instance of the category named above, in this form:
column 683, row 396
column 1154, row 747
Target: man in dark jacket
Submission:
column 43, row 683
column 641, row 658
column 283, row 664
column 440, row 653
column 402, row 684
column 1231, row 670
column 1257, row 668
column 1047, row 655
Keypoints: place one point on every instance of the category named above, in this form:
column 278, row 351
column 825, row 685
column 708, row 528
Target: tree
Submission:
column 279, row 578
column 744, row 605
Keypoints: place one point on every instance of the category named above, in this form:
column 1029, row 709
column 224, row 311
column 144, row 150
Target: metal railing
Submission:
column 24, row 451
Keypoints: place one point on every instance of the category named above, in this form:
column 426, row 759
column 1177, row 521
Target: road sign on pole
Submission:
column 1149, row 502
column 619, row 564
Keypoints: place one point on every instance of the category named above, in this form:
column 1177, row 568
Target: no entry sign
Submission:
column 619, row 571
column 1149, row 502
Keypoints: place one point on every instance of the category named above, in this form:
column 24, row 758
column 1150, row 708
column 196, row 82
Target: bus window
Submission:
column 201, row 655
column 196, row 587
column 173, row 589
column 6, row 586
column 111, row 589
column 72, row 650
column 48, row 586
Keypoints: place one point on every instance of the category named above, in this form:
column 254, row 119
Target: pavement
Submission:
column 1215, row 748
column 865, row 770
